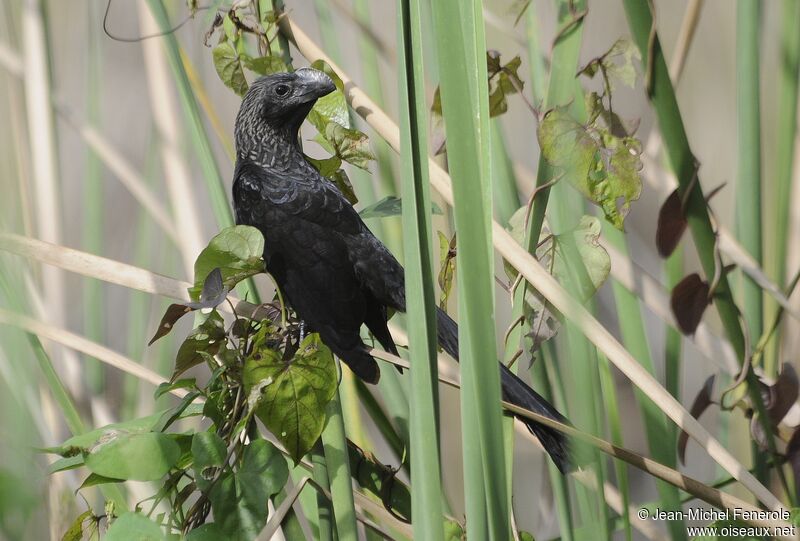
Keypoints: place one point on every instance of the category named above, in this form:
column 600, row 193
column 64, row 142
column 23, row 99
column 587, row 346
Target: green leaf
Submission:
column 208, row 453
column 503, row 81
column 389, row 206
column 265, row 65
column 133, row 456
column 206, row 532
column 93, row 480
column 229, row 67
column 603, row 167
column 239, row 501
column 82, row 442
column 342, row 181
column 326, row 167
column 64, row 464
column 225, row 506
column 447, row 256
column 294, row 393
column 349, row 144
column 236, row 250
column 134, row 527
column 332, row 107
column 75, row 531
column 164, row 388
column 550, row 252
column 207, row 339
column 330, row 168
column 453, row 531
column 263, row 474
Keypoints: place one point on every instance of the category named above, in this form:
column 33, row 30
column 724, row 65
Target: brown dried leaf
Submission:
column 783, row 394
column 700, row 404
column 171, row 316
column 689, row 300
column 671, row 225
column 793, row 453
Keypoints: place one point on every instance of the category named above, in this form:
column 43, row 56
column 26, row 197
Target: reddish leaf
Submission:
column 783, row 394
column 793, row 453
column 671, row 225
column 213, row 293
column 171, row 316
column 700, row 404
column 689, row 301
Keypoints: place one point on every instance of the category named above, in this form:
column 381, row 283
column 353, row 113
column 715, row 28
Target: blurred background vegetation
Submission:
column 122, row 147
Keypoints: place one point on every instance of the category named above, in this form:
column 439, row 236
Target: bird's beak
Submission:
column 314, row 83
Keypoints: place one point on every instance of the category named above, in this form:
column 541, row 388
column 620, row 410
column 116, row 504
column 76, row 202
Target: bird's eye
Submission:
column 282, row 90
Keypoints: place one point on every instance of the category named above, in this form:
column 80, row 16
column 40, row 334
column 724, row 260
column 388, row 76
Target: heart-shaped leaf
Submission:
column 602, row 166
column 229, row 67
column 293, row 393
column 236, row 251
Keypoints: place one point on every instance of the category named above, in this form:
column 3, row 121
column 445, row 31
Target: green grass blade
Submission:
column 337, row 462
column 194, row 120
column 93, row 204
column 420, row 295
column 615, row 428
column 682, row 161
column 389, row 231
column 748, row 184
column 462, row 68
column 536, row 56
column 661, row 434
column 324, row 520
column 560, row 90
column 788, row 91
column 558, row 481
column 506, row 195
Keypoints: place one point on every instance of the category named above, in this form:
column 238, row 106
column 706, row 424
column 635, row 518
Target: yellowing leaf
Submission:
column 602, row 166
column 615, row 65
column 348, row 144
column 550, row 252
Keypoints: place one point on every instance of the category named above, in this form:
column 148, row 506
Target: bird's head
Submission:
column 277, row 104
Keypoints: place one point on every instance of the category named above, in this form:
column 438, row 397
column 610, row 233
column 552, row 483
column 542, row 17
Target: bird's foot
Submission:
column 302, row 330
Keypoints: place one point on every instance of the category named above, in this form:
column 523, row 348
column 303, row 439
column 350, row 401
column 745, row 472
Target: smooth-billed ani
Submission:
column 328, row 265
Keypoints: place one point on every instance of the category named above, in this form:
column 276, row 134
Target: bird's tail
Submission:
column 519, row 394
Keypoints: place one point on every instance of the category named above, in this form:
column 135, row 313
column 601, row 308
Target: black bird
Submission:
column 329, row 266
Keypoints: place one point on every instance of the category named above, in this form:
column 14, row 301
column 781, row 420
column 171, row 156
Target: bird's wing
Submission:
column 309, row 196
column 302, row 193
